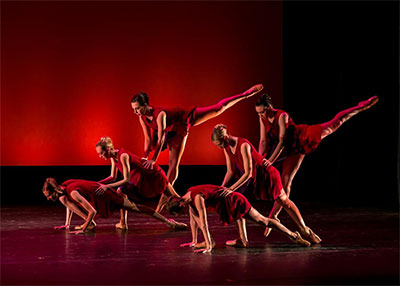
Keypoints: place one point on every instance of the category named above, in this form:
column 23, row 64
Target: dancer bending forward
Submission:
column 137, row 183
column 171, row 126
column 80, row 194
column 254, row 178
column 281, row 138
column 234, row 207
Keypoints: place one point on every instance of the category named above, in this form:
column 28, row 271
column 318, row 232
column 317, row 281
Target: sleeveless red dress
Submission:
column 267, row 183
column 104, row 204
column 143, row 182
column 229, row 208
column 299, row 139
column 178, row 122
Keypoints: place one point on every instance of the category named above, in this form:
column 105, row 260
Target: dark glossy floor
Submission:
column 360, row 246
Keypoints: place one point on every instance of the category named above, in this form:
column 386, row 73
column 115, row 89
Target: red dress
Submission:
column 267, row 182
column 104, row 204
column 299, row 139
column 229, row 208
column 143, row 182
column 178, row 122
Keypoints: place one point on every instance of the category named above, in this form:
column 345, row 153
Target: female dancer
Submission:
column 76, row 194
column 171, row 126
column 242, row 159
column 137, row 182
column 234, row 207
column 281, row 137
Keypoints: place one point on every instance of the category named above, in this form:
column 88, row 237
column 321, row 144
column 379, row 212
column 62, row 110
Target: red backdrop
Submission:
column 69, row 70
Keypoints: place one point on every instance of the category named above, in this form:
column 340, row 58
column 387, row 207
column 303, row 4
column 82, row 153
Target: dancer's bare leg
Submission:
column 169, row 191
column 258, row 218
column 177, row 146
column 242, row 241
column 331, row 126
column 150, row 212
column 123, row 223
column 294, row 213
column 202, row 114
column 290, row 166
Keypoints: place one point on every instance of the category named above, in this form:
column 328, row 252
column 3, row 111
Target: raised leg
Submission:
column 202, row 114
column 331, row 126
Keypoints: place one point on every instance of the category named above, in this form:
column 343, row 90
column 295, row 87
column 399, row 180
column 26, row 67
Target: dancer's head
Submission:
column 175, row 205
column 140, row 103
column 263, row 104
column 51, row 190
column 105, row 147
column 220, row 136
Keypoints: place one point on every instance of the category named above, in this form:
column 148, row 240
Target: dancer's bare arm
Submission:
column 193, row 228
column 229, row 172
column 283, row 120
column 87, row 206
column 262, row 145
column 125, row 172
column 245, row 150
column 68, row 214
column 201, row 210
column 147, row 137
column 161, row 125
column 113, row 175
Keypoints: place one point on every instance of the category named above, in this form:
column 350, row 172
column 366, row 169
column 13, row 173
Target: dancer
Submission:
column 138, row 182
column 171, row 126
column 243, row 160
column 76, row 194
column 234, row 207
column 280, row 137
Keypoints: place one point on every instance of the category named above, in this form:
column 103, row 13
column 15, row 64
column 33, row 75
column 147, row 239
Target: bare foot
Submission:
column 91, row 226
column 253, row 90
column 237, row 243
column 366, row 104
column 122, row 226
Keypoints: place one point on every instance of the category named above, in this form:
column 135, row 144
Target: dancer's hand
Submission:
column 226, row 192
column 148, row 164
column 61, row 227
column 190, row 244
column 100, row 190
column 266, row 163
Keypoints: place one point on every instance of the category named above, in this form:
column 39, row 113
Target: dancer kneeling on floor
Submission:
column 80, row 194
column 234, row 207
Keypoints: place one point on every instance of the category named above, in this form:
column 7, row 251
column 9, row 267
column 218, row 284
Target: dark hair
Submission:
column 50, row 185
column 264, row 99
column 142, row 98
column 173, row 205
column 219, row 132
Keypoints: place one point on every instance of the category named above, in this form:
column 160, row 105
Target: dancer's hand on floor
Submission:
column 203, row 250
column 61, row 227
column 190, row 244
column 77, row 232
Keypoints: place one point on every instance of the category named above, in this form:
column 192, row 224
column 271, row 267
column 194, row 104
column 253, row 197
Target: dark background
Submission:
column 335, row 54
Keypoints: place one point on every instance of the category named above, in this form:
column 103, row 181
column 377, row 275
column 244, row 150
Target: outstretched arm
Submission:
column 161, row 125
column 201, row 210
column 245, row 150
column 147, row 138
column 283, row 120
column 87, row 206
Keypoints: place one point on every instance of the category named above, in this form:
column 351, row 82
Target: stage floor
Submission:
column 360, row 246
